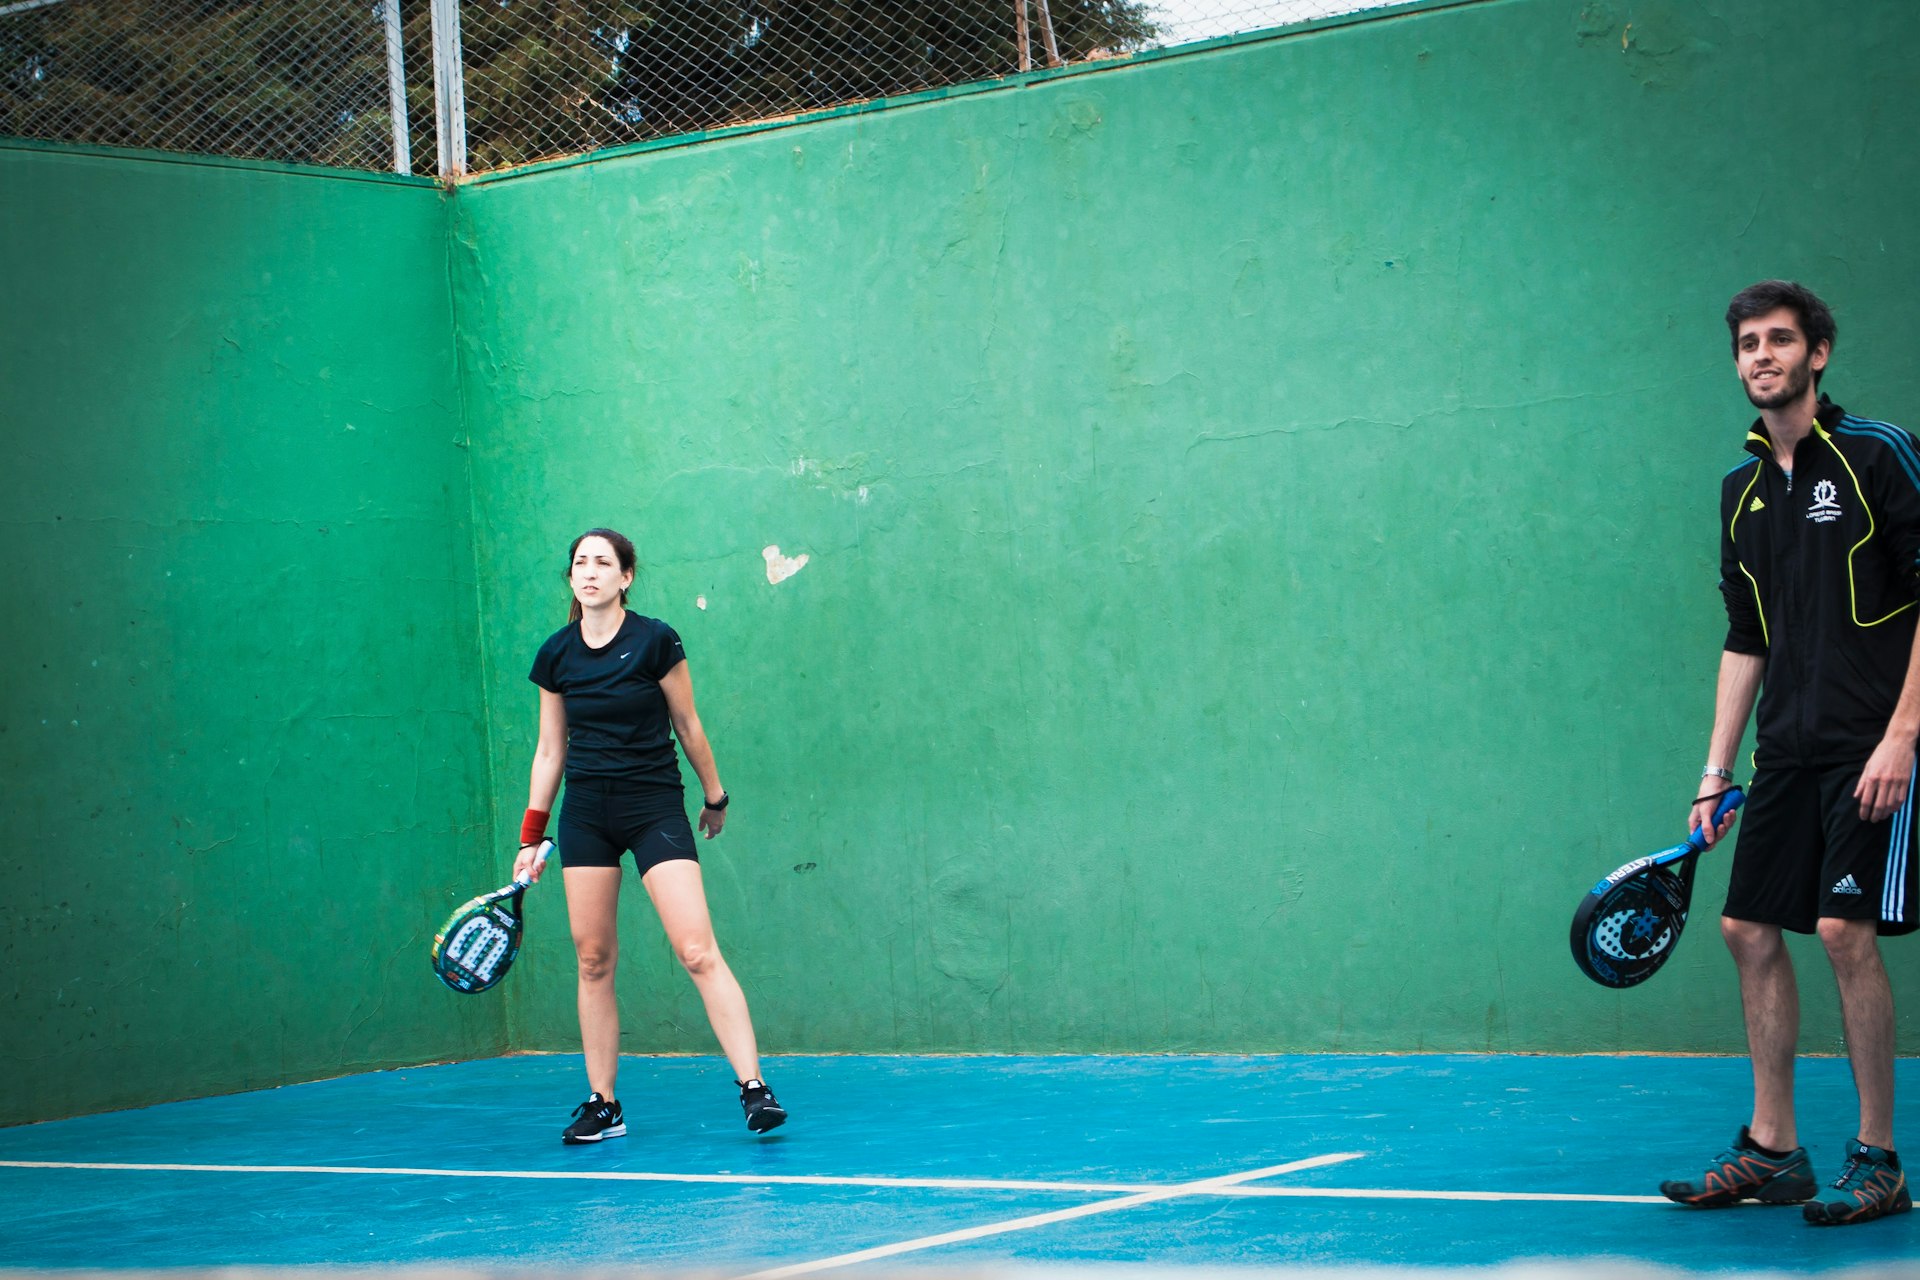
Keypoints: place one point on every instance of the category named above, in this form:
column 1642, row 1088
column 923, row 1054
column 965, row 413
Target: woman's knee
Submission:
column 699, row 955
column 597, row 957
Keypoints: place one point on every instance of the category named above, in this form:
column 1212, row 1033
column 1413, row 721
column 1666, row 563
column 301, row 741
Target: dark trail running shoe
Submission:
column 1871, row 1186
column 1743, row 1173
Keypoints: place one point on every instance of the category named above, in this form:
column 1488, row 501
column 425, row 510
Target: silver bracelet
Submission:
column 1715, row 771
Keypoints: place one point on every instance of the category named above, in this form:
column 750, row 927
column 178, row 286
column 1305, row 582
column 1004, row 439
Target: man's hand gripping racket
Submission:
column 478, row 942
column 1630, row 923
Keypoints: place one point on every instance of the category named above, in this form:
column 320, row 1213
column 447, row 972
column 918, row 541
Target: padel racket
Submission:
column 1629, row 925
column 479, row 941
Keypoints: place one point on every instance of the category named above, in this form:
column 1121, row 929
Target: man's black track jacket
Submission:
column 1820, row 577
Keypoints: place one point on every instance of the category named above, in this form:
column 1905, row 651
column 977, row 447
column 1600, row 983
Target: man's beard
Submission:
column 1793, row 385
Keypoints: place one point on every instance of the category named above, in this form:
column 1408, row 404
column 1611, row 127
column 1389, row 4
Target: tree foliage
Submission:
column 306, row 80
column 553, row 77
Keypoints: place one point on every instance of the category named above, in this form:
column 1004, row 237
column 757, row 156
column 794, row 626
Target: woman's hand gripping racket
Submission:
column 479, row 941
column 1629, row 925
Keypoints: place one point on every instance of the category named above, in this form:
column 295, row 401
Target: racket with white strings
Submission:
column 478, row 943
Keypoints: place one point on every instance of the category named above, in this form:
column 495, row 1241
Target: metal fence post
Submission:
column 1046, row 30
column 397, row 88
column 449, row 89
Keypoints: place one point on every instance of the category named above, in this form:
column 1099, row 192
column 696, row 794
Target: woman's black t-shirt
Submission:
column 617, row 724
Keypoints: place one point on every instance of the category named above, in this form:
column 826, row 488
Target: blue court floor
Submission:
column 974, row 1163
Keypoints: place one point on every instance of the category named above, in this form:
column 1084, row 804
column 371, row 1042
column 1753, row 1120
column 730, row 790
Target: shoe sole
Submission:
column 1721, row 1200
column 768, row 1119
column 581, row 1140
column 1817, row 1215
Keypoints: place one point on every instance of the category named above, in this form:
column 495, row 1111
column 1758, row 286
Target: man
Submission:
column 1819, row 532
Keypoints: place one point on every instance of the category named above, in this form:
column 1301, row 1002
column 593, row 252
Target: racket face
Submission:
column 474, row 949
column 1630, row 924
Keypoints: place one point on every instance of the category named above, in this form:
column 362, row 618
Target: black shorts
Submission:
column 602, row 819
column 1804, row 854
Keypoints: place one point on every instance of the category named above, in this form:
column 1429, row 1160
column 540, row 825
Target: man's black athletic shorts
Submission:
column 1804, row 854
column 600, row 819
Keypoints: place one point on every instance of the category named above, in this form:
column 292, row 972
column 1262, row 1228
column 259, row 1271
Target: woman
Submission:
column 611, row 684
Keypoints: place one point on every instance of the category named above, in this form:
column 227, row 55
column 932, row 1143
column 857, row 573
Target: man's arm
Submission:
column 1883, row 784
column 1740, row 675
column 1743, row 658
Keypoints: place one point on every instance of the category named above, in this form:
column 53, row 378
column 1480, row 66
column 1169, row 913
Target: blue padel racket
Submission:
column 479, row 941
column 1629, row 925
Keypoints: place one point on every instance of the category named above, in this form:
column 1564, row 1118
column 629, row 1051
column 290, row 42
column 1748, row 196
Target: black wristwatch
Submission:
column 724, row 799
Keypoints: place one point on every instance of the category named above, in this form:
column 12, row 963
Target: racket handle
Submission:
column 546, row 851
column 1732, row 800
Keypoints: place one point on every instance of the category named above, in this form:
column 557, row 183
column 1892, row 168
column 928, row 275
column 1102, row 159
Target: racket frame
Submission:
column 457, row 974
column 1677, row 864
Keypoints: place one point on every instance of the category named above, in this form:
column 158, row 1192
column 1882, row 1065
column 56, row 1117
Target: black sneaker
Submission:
column 1743, row 1173
column 1870, row 1186
column 596, row 1118
column 763, row 1110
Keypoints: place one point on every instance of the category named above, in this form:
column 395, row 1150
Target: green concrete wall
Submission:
column 1258, row 519
column 1259, row 510
column 241, row 756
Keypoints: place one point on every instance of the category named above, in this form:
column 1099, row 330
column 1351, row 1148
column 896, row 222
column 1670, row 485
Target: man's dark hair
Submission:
column 1816, row 322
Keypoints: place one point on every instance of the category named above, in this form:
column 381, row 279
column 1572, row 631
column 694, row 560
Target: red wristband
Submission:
column 533, row 827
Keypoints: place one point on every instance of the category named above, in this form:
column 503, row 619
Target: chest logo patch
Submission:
column 1826, row 503
column 1756, row 504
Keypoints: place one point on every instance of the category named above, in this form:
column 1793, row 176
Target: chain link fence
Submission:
column 487, row 84
column 301, row 80
column 545, row 80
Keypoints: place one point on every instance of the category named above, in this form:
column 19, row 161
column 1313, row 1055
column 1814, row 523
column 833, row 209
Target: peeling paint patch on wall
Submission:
column 779, row 567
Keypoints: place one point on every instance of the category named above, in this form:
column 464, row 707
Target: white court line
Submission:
column 1386, row 1193
column 808, row 1180
column 1042, row 1219
column 607, row 1175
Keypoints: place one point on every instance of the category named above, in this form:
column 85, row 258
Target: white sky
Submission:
column 1185, row 20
